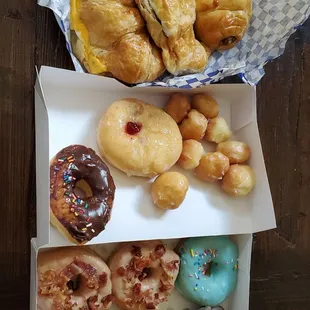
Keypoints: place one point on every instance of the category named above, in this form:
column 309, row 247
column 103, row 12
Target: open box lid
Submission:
column 68, row 108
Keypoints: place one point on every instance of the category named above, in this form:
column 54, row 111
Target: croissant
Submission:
column 109, row 36
column 221, row 24
column 170, row 24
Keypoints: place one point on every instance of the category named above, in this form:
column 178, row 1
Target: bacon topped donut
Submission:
column 73, row 279
column 143, row 274
column 77, row 167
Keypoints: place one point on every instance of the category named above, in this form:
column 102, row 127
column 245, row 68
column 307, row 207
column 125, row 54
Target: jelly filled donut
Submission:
column 138, row 138
column 73, row 278
column 208, row 269
column 143, row 274
column 80, row 219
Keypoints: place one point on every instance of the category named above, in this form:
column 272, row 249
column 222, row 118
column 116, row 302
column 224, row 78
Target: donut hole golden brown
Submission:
column 206, row 105
column 169, row 190
column 191, row 154
column 237, row 152
column 194, row 126
column 178, row 107
column 239, row 180
column 218, row 130
column 212, row 167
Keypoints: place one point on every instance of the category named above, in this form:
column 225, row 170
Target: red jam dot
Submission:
column 133, row 128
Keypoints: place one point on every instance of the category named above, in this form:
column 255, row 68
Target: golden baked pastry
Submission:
column 138, row 138
column 239, row 180
column 237, row 152
column 206, row 105
column 109, row 36
column 212, row 167
column 217, row 130
column 194, row 126
column 170, row 24
column 191, row 154
column 221, row 24
column 169, row 190
column 178, row 107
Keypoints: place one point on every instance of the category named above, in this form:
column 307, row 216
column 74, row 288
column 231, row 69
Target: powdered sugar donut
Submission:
column 143, row 274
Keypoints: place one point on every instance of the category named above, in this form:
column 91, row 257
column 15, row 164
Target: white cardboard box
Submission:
column 68, row 107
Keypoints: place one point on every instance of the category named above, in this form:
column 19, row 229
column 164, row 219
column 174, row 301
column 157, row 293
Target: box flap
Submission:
column 33, row 275
column 42, row 166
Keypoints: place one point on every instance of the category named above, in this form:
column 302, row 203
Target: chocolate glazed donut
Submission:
column 80, row 219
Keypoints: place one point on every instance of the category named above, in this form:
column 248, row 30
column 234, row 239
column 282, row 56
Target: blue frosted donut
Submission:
column 208, row 269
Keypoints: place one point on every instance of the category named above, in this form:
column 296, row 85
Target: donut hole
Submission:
column 74, row 283
column 207, row 269
column 146, row 273
column 82, row 189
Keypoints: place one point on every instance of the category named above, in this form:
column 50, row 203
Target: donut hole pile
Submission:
column 198, row 120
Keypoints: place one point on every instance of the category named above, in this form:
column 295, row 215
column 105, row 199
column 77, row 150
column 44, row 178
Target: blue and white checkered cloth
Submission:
column 272, row 24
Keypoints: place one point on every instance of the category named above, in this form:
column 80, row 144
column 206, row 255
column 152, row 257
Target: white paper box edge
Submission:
column 239, row 300
column 51, row 76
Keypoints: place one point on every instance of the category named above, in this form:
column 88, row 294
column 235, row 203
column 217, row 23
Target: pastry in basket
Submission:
column 73, row 278
column 170, row 24
column 221, row 24
column 78, row 171
column 109, row 36
column 139, row 138
column 143, row 274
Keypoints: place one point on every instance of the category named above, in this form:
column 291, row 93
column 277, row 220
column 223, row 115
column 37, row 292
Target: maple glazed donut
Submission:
column 138, row 138
column 73, row 278
column 80, row 219
column 143, row 274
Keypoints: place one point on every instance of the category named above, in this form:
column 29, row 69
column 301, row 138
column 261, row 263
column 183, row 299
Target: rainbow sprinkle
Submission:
column 192, row 252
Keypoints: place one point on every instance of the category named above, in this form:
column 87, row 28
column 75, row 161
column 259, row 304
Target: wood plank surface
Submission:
column 29, row 36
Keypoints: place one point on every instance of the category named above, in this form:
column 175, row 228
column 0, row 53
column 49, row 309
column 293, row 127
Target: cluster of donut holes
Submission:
column 199, row 120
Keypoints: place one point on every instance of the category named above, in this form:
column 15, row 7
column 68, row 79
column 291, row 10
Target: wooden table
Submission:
column 29, row 36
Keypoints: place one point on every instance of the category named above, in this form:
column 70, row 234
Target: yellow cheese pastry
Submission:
column 221, row 24
column 170, row 24
column 109, row 36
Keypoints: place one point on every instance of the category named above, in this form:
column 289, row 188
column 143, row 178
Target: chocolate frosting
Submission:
column 84, row 218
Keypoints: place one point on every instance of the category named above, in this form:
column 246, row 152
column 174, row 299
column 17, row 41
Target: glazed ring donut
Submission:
column 143, row 274
column 80, row 219
column 208, row 270
column 73, row 278
column 138, row 138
